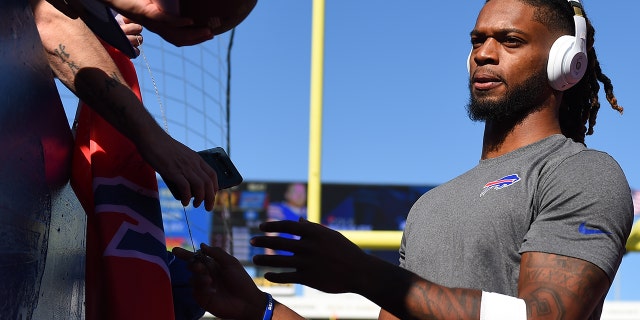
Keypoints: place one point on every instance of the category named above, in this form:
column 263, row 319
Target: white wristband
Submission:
column 495, row 306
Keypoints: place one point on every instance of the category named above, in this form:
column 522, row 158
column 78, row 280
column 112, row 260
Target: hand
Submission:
column 221, row 285
column 132, row 30
column 177, row 30
column 186, row 174
column 323, row 258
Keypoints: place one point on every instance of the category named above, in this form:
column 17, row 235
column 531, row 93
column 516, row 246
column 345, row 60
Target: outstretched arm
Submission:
column 325, row 260
column 551, row 285
column 81, row 63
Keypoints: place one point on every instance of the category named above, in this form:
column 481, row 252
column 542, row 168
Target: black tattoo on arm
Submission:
column 541, row 303
column 430, row 301
column 106, row 92
column 112, row 82
column 559, row 287
column 64, row 57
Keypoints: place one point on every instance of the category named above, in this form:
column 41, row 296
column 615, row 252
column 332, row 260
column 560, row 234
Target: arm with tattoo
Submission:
column 73, row 50
column 325, row 260
column 559, row 287
column 83, row 64
column 552, row 286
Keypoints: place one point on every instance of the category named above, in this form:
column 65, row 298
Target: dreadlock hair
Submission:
column 580, row 103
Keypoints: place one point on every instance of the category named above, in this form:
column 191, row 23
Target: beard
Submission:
column 518, row 102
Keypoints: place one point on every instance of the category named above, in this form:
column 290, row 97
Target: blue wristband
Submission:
column 268, row 310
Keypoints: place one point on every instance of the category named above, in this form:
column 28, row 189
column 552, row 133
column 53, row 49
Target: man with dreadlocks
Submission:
column 536, row 230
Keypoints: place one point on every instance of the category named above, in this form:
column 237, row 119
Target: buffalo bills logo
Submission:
column 500, row 183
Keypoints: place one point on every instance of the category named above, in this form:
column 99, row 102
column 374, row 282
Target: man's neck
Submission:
column 500, row 139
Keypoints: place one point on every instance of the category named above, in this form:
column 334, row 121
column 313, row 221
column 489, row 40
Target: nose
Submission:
column 486, row 53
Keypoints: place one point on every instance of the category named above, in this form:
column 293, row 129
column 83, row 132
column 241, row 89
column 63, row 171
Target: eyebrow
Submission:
column 475, row 32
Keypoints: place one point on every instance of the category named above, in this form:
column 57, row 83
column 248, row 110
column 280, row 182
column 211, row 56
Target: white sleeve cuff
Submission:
column 495, row 306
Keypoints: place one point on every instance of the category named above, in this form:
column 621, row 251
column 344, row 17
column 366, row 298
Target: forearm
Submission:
column 282, row 312
column 408, row 296
column 81, row 63
column 68, row 42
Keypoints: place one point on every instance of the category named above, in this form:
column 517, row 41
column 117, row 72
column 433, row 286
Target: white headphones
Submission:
column 568, row 55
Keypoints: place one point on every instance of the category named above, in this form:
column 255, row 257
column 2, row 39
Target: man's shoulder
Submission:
column 589, row 160
column 565, row 154
column 591, row 171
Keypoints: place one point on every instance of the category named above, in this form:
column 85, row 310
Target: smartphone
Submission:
column 217, row 158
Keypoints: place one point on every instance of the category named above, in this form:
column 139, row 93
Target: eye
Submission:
column 512, row 42
column 476, row 42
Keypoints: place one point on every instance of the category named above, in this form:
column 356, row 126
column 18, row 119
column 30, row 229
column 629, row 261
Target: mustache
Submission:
column 486, row 72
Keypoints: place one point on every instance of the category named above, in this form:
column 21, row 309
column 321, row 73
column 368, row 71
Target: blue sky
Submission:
column 395, row 91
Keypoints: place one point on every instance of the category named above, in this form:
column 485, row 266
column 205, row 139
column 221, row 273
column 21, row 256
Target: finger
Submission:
column 283, row 277
column 209, row 195
column 179, row 187
column 219, row 255
column 277, row 261
column 136, row 40
column 130, row 22
column 314, row 230
column 131, row 29
column 187, row 255
column 197, row 189
column 283, row 226
column 185, row 199
column 276, row 243
column 195, row 266
column 132, row 40
column 302, row 228
column 210, row 186
column 205, row 264
column 182, row 253
column 125, row 19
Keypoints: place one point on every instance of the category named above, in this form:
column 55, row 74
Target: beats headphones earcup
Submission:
column 567, row 65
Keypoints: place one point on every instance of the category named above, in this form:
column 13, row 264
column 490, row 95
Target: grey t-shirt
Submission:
column 554, row 196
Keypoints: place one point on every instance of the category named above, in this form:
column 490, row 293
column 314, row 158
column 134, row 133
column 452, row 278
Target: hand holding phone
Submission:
column 217, row 158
